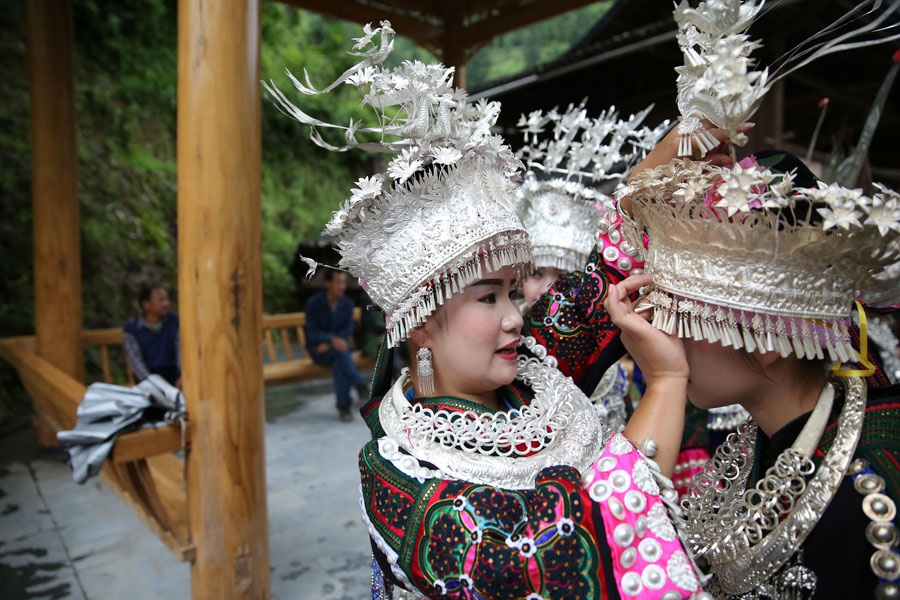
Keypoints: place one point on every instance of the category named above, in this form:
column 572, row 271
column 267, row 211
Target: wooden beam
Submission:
column 145, row 443
column 166, row 485
column 54, row 160
column 516, row 17
column 102, row 337
column 220, row 295
column 453, row 49
column 421, row 32
column 55, row 394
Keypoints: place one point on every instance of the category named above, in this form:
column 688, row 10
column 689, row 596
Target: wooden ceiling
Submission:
column 453, row 29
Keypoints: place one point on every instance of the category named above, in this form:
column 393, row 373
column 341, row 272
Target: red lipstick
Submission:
column 508, row 352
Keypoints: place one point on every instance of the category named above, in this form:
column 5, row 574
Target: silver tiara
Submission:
column 443, row 211
column 718, row 81
column 572, row 160
column 741, row 256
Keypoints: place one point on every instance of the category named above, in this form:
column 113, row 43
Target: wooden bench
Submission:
column 285, row 332
column 143, row 468
column 289, row 327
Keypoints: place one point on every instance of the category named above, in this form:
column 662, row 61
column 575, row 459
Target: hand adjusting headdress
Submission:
column 562, row 204
column 444, row 211
column 743, row 257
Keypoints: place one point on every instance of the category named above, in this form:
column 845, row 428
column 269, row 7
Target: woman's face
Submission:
column 473, row 337
column 720, row 376
column 539, row 282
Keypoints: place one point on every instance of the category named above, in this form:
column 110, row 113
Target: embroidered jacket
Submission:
column 567, row 537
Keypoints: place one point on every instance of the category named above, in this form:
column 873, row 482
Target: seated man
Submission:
column 329, row 325
column 152, row 342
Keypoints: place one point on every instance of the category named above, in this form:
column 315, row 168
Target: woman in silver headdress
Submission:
column 489, row 475
column 756, row 266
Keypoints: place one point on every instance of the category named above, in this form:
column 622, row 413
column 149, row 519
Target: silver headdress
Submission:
column 717, row 82
column 742, row 256
column 561, row 197
column 443, row 212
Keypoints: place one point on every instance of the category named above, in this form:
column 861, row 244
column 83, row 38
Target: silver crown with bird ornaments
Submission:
column 570, row 158
column 444, row 211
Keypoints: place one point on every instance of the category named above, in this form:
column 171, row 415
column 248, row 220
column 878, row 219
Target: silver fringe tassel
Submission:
column 766, row 333
column 491, row 257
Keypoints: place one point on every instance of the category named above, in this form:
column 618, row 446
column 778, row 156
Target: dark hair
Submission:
column 329, row 274
column 146, row 292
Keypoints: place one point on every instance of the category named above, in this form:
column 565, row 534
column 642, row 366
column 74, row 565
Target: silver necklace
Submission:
column 748, row 535
column 506, row 449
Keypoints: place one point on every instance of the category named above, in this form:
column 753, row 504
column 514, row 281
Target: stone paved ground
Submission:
column 60, row 540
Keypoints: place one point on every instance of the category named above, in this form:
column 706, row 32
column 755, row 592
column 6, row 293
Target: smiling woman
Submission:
column 473, row 339
column 489, row 474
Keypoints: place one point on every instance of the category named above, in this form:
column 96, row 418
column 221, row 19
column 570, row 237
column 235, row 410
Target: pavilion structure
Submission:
column 210, row 509
column 452, row 29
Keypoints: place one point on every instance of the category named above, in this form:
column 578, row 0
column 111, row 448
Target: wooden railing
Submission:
column 142, row 468
column 285, row 358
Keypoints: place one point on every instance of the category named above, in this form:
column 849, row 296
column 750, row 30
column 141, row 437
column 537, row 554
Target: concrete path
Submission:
column 60, row 540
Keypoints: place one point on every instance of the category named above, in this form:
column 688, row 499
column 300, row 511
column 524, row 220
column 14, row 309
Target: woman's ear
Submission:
column 766, row 359
column 420, row 337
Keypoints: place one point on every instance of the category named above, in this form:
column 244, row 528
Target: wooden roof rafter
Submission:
column 438, row 24
column 406, row 23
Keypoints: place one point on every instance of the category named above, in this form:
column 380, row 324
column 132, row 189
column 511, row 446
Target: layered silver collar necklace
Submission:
column 748, row 535
column 504, row 448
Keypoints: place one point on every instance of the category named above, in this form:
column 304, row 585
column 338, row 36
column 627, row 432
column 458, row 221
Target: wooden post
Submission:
column 54, row 160
column 453, row 51
column 220, row 294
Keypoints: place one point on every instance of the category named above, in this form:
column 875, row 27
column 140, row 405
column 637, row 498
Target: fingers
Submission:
column 614, row 306
column 632, row 284
column 719, row 160
column 618, row 303
column 721, row 155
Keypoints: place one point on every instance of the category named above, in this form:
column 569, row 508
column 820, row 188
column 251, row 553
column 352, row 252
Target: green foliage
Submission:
column 530, row 46
column 301, row 184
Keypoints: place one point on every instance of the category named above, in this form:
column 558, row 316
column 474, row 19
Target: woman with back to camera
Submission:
column 570, row 158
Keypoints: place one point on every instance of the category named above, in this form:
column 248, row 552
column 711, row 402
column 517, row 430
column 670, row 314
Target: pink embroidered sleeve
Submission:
column 648, row 558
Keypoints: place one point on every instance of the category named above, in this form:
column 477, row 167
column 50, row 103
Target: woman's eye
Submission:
column 489, row 299
column 537, row 273
column 512, row 294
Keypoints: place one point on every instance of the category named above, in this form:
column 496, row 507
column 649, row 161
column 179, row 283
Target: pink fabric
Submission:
column 648, row 558
column 613, row 256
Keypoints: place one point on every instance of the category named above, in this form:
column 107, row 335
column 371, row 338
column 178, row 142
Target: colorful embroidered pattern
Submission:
column 879, row 441
column 570, row 322
column 606, row 537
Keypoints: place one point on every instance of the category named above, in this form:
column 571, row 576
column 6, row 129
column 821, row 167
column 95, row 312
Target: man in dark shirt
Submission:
column 152, row 342
column 329, row 325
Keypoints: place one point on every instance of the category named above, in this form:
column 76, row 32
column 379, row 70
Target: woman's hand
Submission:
column 659, row 355
column 660, row 414
column 667, row 148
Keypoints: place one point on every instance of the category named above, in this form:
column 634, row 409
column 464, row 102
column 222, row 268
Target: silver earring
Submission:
column 424, row 372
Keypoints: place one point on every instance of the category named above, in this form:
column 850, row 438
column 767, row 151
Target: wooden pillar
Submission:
column 220, row 294
column 453, row 50
column 54, row 161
